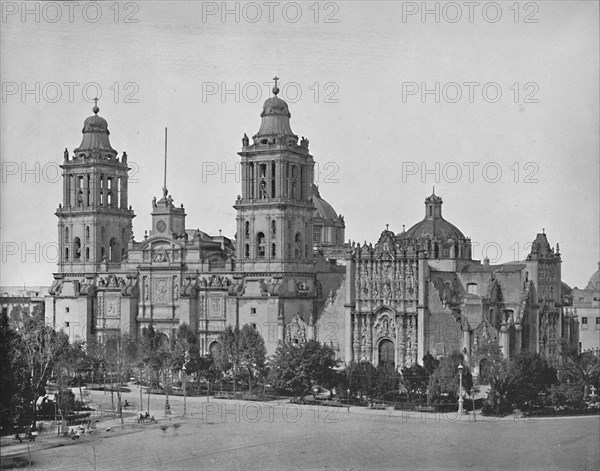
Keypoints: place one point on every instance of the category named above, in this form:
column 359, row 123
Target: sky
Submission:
column 496, row 105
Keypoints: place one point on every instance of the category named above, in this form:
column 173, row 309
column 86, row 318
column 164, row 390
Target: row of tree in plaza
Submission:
column 529, row 382
column 34, row 356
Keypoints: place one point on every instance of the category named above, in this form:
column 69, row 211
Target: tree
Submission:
column 567, row 394
column 362, row 379
column 388, row 380
column 430, row 363
column 209, row 370
column 155, row 353
column 156, row 356
column 445, row 380
column 583, row 369
column 228, row 356
column 185, row 353
column 252, row 353
column 120, row 354
column 415, row 379
column 533, row 377
column 39, row 347
column 185, row 356
column 296, row 368
column 14, row 397
column 519, row 383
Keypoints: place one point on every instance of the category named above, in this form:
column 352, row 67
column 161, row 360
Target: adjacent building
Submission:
column 586, row 302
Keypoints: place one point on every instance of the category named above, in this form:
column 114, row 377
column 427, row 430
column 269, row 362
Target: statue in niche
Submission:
column 262, row 190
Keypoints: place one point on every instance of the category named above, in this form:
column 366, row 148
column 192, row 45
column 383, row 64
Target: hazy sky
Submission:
column 353, row 74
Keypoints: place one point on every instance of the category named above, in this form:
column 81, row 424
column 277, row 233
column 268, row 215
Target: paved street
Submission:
column 246, row 435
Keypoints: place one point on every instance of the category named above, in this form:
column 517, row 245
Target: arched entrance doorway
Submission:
column 215, row 348
column 386, row 353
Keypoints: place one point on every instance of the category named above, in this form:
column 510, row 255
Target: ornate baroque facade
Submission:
column 287, row 270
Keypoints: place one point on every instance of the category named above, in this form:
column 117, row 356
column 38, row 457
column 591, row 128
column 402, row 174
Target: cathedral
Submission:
column 287, row 271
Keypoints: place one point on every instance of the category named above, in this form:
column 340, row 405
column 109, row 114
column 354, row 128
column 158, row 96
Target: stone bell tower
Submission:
column 275, row 210
column 94, row 220
column 94, row 228
column 275, row 227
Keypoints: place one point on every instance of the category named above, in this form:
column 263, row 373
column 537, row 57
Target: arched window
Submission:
column 87, row 233
column 251, row 180
column 247, row 230
column 88, row 186
column 273, row 179
column 119, row 192
column 273, row 228
column 77, row 248
column 298, row 245
column 102, row 253
column 260, row 243
column 273, row 250
column 66, row 254
column 247, row 251
column 87, row 253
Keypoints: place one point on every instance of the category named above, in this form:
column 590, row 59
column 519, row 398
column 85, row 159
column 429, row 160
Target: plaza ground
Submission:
column 224, row 434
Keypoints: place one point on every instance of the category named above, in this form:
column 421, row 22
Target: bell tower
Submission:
column 275, row 209
column 94, row 220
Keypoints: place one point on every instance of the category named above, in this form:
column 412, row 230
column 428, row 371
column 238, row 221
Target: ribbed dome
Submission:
column 95, row 134
column 434, row 226
column 275, row 121
column 324, row 209
column 275, row 105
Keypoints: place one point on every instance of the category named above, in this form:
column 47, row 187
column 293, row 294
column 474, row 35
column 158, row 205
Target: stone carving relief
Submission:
column 385, row 326
column 302, row 288
column 161, row 255
column 215, row 307
column 160, row 290
column 295, row 330
column 215, row 281
column 112, row 309
column 269, row 287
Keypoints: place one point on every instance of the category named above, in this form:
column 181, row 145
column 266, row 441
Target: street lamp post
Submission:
column 460, row 393
column 348, row 391
column 184, row 389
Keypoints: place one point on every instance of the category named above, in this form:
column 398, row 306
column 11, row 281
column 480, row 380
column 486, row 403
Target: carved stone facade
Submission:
column 268, row 275
column 419, row 291
column 410, row 293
